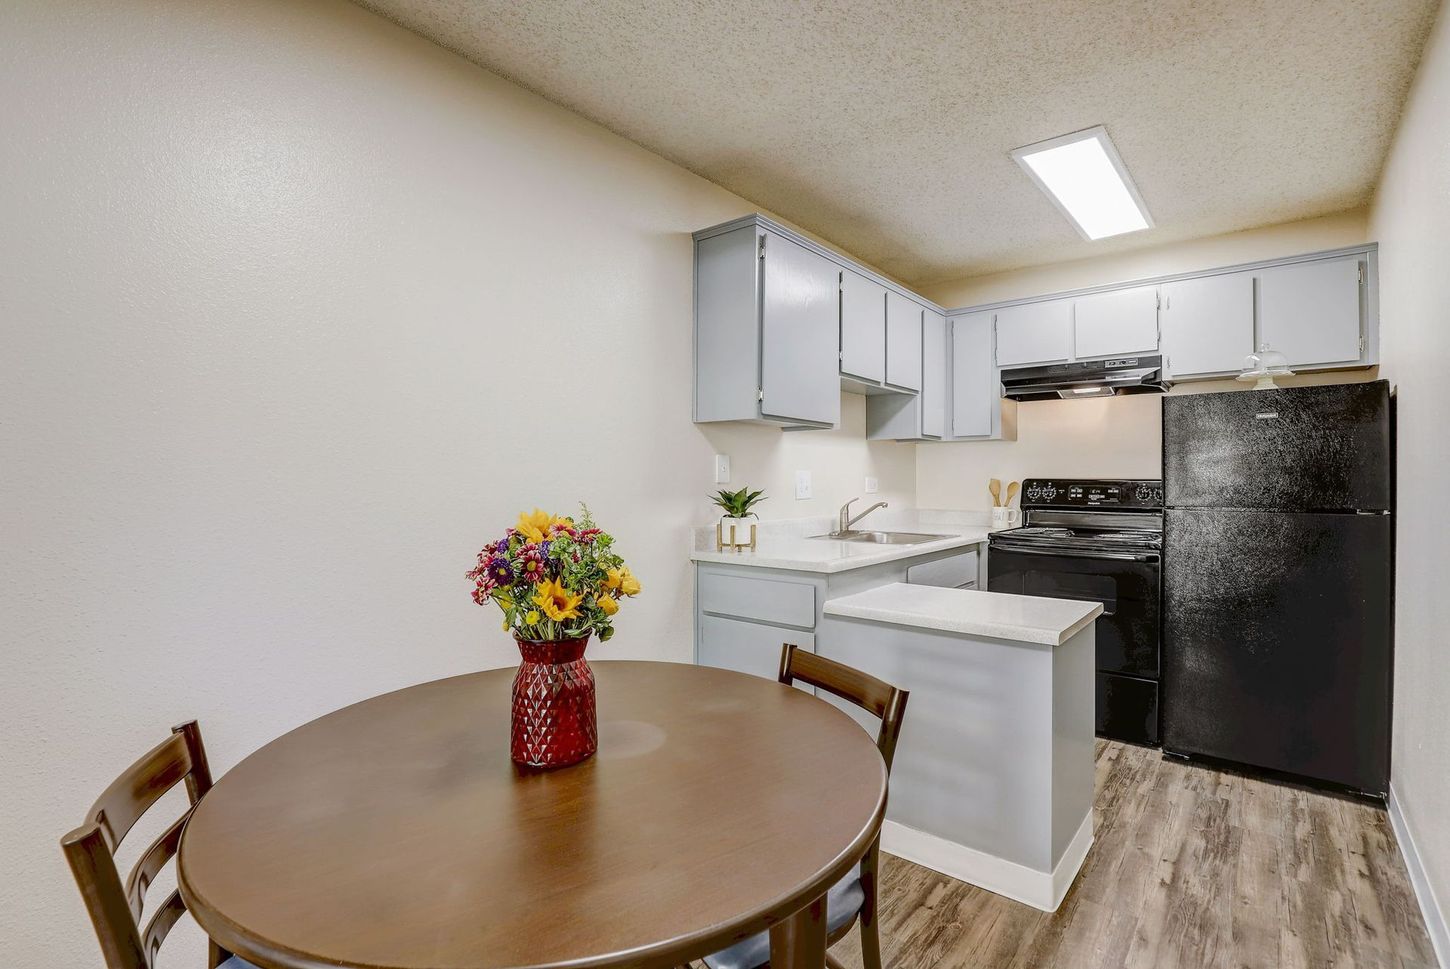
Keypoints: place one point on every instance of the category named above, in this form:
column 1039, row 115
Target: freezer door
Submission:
column 1276, row 647
column 1297, row 449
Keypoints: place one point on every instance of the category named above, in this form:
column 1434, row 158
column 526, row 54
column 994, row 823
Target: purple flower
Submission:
column 544, row 547
column 500, row 571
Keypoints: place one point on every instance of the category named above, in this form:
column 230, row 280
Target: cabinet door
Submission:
column 903, row 342
column 747, row 647
column 863, row 327
column 1311, row 312
column 933, row 374
column 1124, row 321
column 799, row 334
column 1034, row 333
column 953, row 572
column 974, row 378
column 1208, row 324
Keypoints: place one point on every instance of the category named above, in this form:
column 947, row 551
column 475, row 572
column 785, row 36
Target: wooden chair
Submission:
column 854, row 897
column 116, row 909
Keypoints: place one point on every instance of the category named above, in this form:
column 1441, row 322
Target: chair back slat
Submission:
column 166, row 915
column 115, row 909
column 118, row 809
column 876, row 697
column 162, row 850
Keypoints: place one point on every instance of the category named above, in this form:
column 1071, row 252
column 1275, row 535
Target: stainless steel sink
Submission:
column 884, row 538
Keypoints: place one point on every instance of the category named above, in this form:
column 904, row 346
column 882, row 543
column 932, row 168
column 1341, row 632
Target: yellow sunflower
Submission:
column 556, row 601
column 533, row 524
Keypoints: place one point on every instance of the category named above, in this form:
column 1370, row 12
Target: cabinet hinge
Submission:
column 762, row 247
column 1361, row 346
column 760, row 395
column 840, row 282
column 1361, row 271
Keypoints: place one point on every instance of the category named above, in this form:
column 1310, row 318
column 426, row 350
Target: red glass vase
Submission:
column 553, row 711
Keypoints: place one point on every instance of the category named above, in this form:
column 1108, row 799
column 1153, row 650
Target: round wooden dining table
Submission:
column 397, row 834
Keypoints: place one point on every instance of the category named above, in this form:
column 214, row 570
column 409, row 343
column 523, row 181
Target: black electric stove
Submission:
column 1098, row 541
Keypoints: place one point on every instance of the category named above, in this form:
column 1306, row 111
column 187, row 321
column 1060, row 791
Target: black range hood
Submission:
column 1091, row 378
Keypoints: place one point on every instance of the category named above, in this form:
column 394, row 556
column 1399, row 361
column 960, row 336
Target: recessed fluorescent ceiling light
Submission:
column 1087, row 181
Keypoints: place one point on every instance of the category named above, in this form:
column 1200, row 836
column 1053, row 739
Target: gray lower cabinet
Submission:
column 743, row 614
column 956, row 572
column 762, row 598
column 766, row 330
column 747, row 647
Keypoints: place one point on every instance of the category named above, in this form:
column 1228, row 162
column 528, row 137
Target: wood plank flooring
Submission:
column 1193, row 868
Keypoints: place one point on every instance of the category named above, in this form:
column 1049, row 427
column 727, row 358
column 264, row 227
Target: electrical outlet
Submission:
column 722, row 469
column 802, row 485
column 872, row 486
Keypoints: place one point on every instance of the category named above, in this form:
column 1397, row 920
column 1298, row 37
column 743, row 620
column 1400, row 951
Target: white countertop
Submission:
column 788, row 545
column 997, row 615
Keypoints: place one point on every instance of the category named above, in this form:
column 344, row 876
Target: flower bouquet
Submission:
column 558, row 581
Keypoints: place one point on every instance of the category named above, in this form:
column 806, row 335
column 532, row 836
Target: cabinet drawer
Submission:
column 955, row 572
column 764, row 600
column 747, row 647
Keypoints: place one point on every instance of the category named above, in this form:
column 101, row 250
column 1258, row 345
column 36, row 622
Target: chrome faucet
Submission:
column 846, row 521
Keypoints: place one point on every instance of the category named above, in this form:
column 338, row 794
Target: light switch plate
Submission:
column 872, row 486
column 802, row 484
column 722, row 469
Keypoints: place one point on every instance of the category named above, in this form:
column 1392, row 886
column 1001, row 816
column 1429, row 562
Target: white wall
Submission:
column 1112, row 437
column 298, row 311
column 1411, row 220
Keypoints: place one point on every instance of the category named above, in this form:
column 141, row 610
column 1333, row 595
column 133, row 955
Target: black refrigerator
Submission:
column 1278, row 576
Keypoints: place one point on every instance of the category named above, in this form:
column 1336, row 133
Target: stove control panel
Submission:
column 1072, row 493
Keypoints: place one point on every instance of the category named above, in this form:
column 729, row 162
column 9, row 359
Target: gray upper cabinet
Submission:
column 863, row 327
column 1313, row 312
column 1208, row 324
column 799, row 332
column 933, row 374
column 974, row 389
column 1118, row 322
column 903, row 342
column 914, row 417
column 1032, row 333
column 767, row 330
column 782, row 324
column 1321, row 310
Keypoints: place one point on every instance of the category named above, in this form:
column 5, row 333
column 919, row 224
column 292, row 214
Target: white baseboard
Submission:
column 1040, row 889
column 1430, row 908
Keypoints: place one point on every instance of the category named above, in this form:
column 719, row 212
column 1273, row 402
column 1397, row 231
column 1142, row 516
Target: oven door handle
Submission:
column 1076, row 553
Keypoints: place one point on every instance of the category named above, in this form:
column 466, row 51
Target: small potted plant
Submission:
column 735, row 524
column 557, row 581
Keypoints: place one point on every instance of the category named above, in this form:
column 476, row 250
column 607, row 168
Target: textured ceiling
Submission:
column 885, row 127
